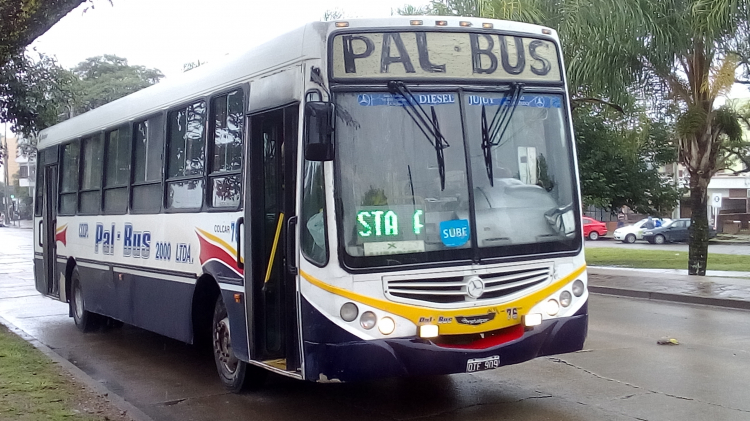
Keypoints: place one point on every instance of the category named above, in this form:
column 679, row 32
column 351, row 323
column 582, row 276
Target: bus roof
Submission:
column 305, row 42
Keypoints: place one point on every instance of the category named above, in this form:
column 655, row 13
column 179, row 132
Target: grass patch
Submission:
column 34, row 388
column 661, row 259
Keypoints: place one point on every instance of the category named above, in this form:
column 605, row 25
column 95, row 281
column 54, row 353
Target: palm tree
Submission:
column 684, row 53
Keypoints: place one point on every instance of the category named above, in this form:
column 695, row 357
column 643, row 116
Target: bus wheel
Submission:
column 231, row 370
column 86, row 321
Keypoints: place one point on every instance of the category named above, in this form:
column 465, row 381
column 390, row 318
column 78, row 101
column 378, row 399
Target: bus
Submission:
column 355, row 199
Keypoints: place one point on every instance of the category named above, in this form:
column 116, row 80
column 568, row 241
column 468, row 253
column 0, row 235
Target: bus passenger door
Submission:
column 270, row 276
column 49, row 283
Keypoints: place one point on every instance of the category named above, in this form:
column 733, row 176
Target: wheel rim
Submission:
column 630, row 238
column 78, row 299
column 594, row 235
column 223, row 348
column 659, row 239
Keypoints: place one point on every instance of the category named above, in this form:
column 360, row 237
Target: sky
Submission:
column 166, row 34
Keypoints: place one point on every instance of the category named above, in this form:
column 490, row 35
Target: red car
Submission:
column 593, row 229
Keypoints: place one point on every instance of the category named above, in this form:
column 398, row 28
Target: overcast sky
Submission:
column 165, row 34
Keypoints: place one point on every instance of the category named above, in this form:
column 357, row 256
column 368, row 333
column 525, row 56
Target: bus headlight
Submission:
column 578, row 288
column 368, row 320
column 386, row 325
column 566, row 298
column 552, row 307
column 349, row 312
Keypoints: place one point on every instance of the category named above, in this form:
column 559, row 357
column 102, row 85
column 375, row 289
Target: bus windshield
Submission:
column 398, row 208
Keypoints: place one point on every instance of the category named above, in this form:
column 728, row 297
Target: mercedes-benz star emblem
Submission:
column 475, row 287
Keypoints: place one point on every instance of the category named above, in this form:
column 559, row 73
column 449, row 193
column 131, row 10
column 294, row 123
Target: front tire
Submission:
column 659, row 239
column 85, row 320
column 593, row 236
column 629, row 239
column 233, row 373
column 231, row 370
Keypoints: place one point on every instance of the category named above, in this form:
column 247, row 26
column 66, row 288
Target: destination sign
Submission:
column 444, row 55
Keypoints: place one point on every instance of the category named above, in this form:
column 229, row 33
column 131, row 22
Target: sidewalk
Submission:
column 718, row 288
column 23, row 224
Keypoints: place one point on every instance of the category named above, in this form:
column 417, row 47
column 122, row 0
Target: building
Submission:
column 20, row 172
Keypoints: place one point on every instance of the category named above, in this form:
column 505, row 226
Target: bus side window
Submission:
column 147, row 165
column 69, row 178
column 117, row 170
column 90, row 196
column 186, row 156
column 314, row 242
column 225, row 179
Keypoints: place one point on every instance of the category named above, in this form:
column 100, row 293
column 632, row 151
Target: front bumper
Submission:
column 332, row 354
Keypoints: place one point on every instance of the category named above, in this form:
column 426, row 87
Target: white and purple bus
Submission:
column 352, row 200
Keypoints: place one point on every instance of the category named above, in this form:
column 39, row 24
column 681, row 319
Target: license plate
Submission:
column 480, row 364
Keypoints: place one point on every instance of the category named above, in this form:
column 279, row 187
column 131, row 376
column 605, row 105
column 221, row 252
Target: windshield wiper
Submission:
column 428, row 124
column 492, row 133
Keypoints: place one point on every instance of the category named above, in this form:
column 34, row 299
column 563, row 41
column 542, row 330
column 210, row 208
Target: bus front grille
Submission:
column 470, row 288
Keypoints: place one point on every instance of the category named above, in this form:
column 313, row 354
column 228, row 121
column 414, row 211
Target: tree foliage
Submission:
column 24, row 20
column 103, row 79
column 618, row 160
column 32, row 92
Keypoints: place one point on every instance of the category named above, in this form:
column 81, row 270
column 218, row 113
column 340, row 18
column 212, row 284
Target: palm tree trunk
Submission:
column 698, row 251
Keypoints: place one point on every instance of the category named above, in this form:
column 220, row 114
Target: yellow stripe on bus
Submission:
column 419, row 315
column 231, row 250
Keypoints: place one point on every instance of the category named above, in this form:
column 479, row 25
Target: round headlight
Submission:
column 552, row 307
column 566, row 298
column 386, row 325
column 368, row 320
column 578, row 288
column 349, row 312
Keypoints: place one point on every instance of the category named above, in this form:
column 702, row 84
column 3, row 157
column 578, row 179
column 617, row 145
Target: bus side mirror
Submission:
column 319, row 131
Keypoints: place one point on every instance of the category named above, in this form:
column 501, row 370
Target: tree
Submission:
column 683, row 52
column 32, row 92
column 24, row 20
column 618, row 160
column 103, row 79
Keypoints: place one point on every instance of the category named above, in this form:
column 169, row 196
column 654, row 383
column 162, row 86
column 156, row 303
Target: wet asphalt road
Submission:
column 621, row 375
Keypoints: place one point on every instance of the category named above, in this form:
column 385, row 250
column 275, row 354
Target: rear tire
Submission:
column 630, row 239
column 659, row 239
column 593, row 236
column 85, row 320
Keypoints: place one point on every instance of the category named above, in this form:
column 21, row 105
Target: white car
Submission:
column 630, row 233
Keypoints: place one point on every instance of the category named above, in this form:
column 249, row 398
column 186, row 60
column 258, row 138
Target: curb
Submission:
column 664, row 296
column 118, row 401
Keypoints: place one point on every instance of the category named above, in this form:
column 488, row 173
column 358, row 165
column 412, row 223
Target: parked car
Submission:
column 593, row 229
column 675, row 231
column 630, row 233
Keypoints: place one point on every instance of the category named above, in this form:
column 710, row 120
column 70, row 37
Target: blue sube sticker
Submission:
column 532, row 101
column 377, row 100
column 454, row 233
